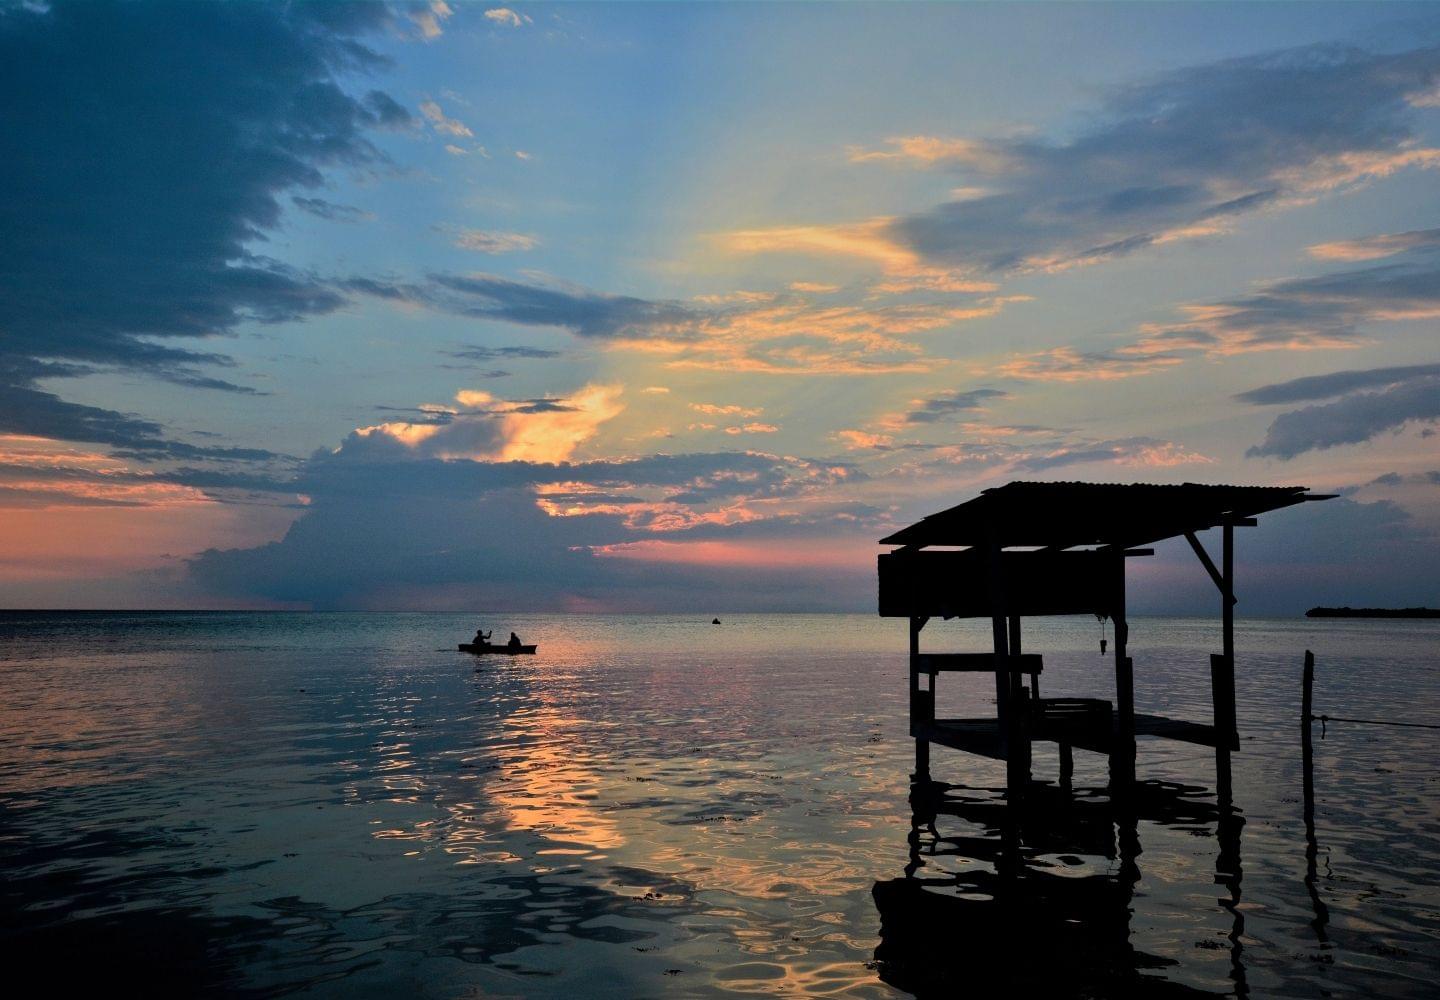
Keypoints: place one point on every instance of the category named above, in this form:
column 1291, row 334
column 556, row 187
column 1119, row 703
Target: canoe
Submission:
column 477, row 649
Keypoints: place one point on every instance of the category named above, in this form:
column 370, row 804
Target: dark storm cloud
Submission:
column 948, row 404
column 1352, row 419
column 144, row 150
column 1179, row 151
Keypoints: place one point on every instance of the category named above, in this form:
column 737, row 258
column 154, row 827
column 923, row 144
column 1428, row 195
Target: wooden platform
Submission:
column 1080, row 722
column 934, row 663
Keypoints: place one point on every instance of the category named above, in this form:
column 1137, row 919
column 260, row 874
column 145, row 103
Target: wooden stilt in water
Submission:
column 1222, row 669
column 922, row 700
column 1312, row 846
column 1122, row 755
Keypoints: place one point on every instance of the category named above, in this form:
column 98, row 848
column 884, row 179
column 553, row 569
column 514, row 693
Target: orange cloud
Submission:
column 870, row 241
column 1374, row 247
column 484, row 428
column 752, row 428
column 728, row 409
column 928, row 150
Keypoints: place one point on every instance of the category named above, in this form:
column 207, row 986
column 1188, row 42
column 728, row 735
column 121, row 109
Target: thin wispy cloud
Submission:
column 494, row 241
column 507, row 17
column 1330, row 311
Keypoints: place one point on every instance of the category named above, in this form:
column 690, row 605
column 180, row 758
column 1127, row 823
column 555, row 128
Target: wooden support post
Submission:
column 922, row 700
column 1013, row 732
column 1067, row 765
column 1222, row 673
column 1312, row 846
column 1122, row 756
column 1016, row 649
column 1307, row 748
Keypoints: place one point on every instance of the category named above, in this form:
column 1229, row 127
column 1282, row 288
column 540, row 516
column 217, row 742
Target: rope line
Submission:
column 1374, row 722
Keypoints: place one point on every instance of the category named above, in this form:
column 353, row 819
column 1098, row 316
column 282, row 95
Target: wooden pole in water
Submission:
column 1122, row 755
column 1307, row 747
column 922, row 702
column 1307, row 757
column 1222, row 675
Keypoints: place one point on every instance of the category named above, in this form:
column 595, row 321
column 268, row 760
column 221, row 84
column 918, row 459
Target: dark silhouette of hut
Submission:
column 1059, row 549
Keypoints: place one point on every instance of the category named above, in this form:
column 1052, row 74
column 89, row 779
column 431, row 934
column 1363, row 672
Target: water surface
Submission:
column 342, row 805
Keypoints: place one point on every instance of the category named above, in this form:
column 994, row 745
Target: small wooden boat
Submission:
column 479, row 648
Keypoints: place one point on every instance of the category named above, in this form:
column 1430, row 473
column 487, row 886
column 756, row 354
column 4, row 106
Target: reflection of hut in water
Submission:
column 1016, row 906
column 1036, row 908
column 1058, row 549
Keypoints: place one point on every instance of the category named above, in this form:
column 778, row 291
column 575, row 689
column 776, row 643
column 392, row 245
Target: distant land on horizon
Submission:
column 1349, row 612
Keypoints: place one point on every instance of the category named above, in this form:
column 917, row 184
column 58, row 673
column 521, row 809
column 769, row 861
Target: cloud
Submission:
column 1323, row 312
column 929, row 150
column 656, row 390
column 507, row 17
column 1353, row 418
column 1182, row 155
column 873, row 241
column 1376, row 247
column 1313, row 387
column 726, row 410
column 387, row 528
column 442, row 124
column 1138, row 451
column 581, row 312
column 1066, row 364
column 752, row 428
column 858, row 440
column 480, row 352
column 481, row 427
column 329, row 211
column 483, row 241
column 1326, row 311
column 780, row 334
column 430, row 18
column 34, row 412
column 929, row 411
column 133, row 225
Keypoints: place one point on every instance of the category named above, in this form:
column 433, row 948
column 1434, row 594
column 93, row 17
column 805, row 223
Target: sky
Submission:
column 681, row 307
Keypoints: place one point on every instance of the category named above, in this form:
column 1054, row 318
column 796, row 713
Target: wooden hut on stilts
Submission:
column 1028, row 549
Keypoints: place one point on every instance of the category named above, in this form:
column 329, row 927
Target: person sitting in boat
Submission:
column 514, row 641
column 482, row 638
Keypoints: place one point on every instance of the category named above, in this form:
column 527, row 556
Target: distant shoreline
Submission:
column 1348, row 612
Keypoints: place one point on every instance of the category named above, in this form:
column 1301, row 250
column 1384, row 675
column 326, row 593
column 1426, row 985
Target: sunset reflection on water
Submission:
column 337, row 804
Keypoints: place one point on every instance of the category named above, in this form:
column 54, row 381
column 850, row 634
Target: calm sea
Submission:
column 342, row 805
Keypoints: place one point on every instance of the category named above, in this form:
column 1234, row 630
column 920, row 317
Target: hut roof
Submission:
column 1062, row 515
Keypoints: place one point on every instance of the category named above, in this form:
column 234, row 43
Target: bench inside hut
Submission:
column 1029, row 549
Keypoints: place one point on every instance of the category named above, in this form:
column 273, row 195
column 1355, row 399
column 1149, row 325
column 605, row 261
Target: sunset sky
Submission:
column 681, row 307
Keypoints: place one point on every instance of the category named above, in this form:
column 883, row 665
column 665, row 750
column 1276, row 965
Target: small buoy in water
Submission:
column 715, row 621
